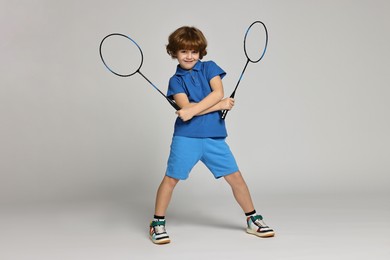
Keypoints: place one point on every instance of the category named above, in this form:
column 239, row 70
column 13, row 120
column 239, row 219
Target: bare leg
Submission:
column 164, row 194
column 240, row 191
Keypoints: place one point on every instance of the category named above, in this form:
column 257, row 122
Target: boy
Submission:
column 199, row 133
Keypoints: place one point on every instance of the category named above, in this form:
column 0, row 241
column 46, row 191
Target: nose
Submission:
column 189, row 54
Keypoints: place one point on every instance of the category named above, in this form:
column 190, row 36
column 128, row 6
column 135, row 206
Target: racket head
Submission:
column 122, row 55
column 256, row 41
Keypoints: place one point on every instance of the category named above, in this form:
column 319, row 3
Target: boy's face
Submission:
column 187, row 58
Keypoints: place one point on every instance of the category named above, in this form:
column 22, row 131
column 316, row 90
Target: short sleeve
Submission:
column 175, row 86
column 212, row 70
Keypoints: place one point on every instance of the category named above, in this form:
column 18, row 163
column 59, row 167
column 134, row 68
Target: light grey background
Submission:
column 311, row 120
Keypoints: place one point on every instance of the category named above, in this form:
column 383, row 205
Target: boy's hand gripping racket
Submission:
column 255, row 44
column 121, row 58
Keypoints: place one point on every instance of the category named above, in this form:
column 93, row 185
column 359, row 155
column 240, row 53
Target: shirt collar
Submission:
column 180, row 71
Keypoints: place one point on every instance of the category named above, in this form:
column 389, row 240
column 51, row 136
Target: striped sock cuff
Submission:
column 250, row 213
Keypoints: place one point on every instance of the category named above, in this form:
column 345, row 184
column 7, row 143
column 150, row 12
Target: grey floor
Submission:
column 308, row 227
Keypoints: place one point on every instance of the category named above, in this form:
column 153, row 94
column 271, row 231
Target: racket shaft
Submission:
column 173, row 104
column 224, row 112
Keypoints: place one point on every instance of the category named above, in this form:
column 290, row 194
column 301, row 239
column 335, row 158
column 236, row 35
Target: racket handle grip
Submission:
column 225, row 111
column 173, row 104
column 224, row 114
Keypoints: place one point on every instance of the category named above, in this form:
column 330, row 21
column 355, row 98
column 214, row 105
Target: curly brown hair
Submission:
column 186, row 38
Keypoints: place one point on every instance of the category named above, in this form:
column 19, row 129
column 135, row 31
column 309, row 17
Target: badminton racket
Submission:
column 255, row 46
column 124, row 58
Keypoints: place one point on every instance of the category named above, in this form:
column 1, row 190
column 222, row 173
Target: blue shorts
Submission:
column 213, row 152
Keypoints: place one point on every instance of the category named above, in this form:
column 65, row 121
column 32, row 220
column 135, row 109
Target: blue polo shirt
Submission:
column 195, row 83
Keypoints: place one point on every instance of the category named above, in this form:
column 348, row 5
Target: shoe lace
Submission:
column 258, row 221
column 160, row 229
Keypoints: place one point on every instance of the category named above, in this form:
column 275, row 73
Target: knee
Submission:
column 234, row 178
column 170, row 182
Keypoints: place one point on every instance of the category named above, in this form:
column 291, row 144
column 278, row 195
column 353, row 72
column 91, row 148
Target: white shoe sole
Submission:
column 265, row 234
column 161, row 241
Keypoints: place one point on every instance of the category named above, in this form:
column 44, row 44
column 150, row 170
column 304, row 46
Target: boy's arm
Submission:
column 208, row 104
column 224, row 104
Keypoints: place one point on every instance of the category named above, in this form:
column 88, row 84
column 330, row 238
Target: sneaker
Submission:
column 256, row 226
column 157, row 232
